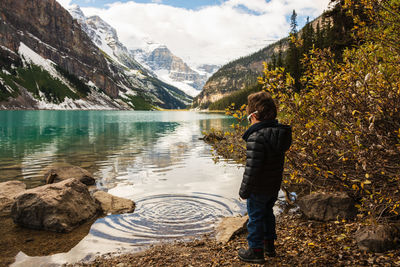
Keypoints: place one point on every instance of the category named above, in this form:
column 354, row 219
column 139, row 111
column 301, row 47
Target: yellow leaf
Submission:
column 339, row 238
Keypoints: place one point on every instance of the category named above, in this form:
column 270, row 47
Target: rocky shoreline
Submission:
column 320, row 228
column 301, row 242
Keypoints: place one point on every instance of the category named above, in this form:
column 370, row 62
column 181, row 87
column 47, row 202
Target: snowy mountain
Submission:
column 48, row 62
column 172, row 69
column 156, row 58
column 106, row 38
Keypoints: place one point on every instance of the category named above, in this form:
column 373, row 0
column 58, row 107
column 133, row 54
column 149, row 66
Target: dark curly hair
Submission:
column 263, row 103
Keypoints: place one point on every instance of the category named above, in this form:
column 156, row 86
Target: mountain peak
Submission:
column 76, row 12
column 98, row 23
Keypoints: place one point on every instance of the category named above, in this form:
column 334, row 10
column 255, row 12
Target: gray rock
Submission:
column 112, row 204
column 378, row 238
column 56, row 174
column 327, row 206
column 58, row 207
column 8, row 191
column 230, row 226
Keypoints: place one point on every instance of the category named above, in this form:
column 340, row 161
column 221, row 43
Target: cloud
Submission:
column 157, row 1
column 212, row 34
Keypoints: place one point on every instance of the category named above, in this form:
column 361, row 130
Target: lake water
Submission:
column 154, row 158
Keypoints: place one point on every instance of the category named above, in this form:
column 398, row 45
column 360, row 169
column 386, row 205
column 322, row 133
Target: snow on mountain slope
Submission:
column 184, row 85
column 106, row 38
column 171, row 68
column 156, row 58
column 95, row 99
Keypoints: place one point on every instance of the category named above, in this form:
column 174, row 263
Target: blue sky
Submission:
column 201, row 31
column 188, row 4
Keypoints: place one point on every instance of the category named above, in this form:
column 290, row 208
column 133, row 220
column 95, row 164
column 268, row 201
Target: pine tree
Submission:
column 329, row 35
column 308, row 37
column 319, row 38
column 279, row 61
column 293, row 54
column 340, row 26
column 293, row 23
column 273, row 65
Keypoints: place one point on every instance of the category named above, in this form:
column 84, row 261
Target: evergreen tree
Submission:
column 319, row 38
column 340, row 26
column 293, row 23
column 308, row 37
column 328, row 39
column 279, row 60
column 273, row 62
column 293, row 54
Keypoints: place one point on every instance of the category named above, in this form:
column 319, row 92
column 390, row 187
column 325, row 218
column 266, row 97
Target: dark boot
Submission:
column 253, row 255
column 269, row 248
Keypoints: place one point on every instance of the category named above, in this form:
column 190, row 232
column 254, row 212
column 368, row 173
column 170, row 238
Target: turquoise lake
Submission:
column 154, row 158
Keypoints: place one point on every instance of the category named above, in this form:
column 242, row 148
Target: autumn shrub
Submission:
column 346, row 118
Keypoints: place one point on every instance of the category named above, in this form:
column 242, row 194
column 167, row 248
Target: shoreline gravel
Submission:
column 300, row 243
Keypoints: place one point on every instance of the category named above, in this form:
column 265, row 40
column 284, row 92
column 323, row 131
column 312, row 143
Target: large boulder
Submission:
column 112, row 204
column 60, row 173
column 379, row 238
column 58, row 207
column 228, row 227
column 8, row 191
column 328, row 206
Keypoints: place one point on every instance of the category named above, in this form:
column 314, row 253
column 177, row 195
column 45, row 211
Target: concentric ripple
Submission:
column 164, row 217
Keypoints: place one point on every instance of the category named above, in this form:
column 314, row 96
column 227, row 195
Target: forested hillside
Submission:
column 331, row 30
column 236, row 75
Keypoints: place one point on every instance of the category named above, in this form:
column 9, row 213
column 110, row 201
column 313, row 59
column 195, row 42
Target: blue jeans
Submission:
column 261, row 225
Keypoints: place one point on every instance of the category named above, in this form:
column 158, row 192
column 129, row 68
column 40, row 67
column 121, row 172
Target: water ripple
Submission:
column 167, row 216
